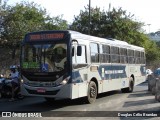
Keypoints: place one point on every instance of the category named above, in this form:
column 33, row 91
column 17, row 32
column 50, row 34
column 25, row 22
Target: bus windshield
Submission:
column 44, row 57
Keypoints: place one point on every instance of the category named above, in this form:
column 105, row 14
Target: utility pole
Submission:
column 89, row 26
column 149, row 27
column 0, row 17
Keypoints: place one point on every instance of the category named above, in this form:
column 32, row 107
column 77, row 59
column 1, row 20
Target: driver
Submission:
column 60, row 60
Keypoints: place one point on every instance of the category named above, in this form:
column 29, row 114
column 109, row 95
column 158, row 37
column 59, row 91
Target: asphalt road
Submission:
column 115, row 105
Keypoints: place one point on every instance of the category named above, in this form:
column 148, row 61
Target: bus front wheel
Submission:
column 92, row 92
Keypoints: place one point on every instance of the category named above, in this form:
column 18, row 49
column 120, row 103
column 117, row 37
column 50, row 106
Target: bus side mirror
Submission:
column 79, row 50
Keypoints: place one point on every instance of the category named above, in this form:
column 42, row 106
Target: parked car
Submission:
column 157, row 72
column 149, row 72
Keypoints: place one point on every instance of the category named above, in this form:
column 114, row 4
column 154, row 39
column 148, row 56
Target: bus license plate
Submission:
column 41, row 90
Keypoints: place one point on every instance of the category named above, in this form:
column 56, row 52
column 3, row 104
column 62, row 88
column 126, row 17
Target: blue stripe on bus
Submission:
column 112, row 72
column 107, row 72
column 76, row 77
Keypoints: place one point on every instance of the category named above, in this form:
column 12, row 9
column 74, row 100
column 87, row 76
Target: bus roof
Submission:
column 81, row 36
column 114, row 42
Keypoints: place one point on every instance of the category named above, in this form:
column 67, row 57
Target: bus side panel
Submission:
column 79, row 83
column 65, row 92
column 95, row 74
column 83, row 87
column 115, row 84
column 138, row 71
column 140, row 75
column 79, row 90
column 114, row 76
column 112, row 84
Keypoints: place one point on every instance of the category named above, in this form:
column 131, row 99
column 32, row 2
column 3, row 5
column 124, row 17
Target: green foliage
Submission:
column 27, row 17
column 152, row 51
column 116, row 24
column 16, row 21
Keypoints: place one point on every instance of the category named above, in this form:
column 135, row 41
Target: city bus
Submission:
column 69, row 65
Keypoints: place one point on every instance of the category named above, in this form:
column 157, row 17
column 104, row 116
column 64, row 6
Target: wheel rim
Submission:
column 92, row 92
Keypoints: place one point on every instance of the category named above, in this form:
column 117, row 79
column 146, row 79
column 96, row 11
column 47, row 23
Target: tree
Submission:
column 27, row 17
column 2, row 13
column 116, row 24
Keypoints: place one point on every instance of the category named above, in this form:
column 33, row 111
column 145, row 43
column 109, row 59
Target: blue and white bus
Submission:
column 69, row 64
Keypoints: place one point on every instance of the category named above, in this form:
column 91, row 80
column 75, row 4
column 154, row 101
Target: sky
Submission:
column 146, row 11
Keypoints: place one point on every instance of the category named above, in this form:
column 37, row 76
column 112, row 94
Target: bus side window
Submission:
column 79, row 50
column 123, row 55
column 94, row 52
column 131, row 58
column 104, row 53
column 79, row 61
column 142, row 58
column 115, row 57
column 81, row 58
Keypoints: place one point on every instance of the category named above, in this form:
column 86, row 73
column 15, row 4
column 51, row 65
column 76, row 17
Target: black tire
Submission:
column 20, row 96
column 49, row 100
column 0, row 94
column 130, row 88
column 149, row 88
column 92, row 92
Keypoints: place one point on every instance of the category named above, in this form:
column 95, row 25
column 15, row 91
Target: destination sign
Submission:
column 47, row 36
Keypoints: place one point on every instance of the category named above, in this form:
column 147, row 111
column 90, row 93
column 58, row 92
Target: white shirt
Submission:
column 61, row 63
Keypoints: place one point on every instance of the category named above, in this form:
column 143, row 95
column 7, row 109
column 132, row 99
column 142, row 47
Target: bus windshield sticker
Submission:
column 30, row 65
column 45, row 67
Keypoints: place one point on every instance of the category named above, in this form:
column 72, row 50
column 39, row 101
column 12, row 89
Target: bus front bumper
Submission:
column 63, row 91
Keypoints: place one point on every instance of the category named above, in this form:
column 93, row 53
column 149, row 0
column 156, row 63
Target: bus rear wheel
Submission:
column 92, row 92
column 130, row 88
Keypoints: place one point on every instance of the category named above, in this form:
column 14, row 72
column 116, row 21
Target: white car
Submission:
column 148, row 72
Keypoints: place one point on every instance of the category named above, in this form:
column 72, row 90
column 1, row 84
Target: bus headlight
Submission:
column 65, row 81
